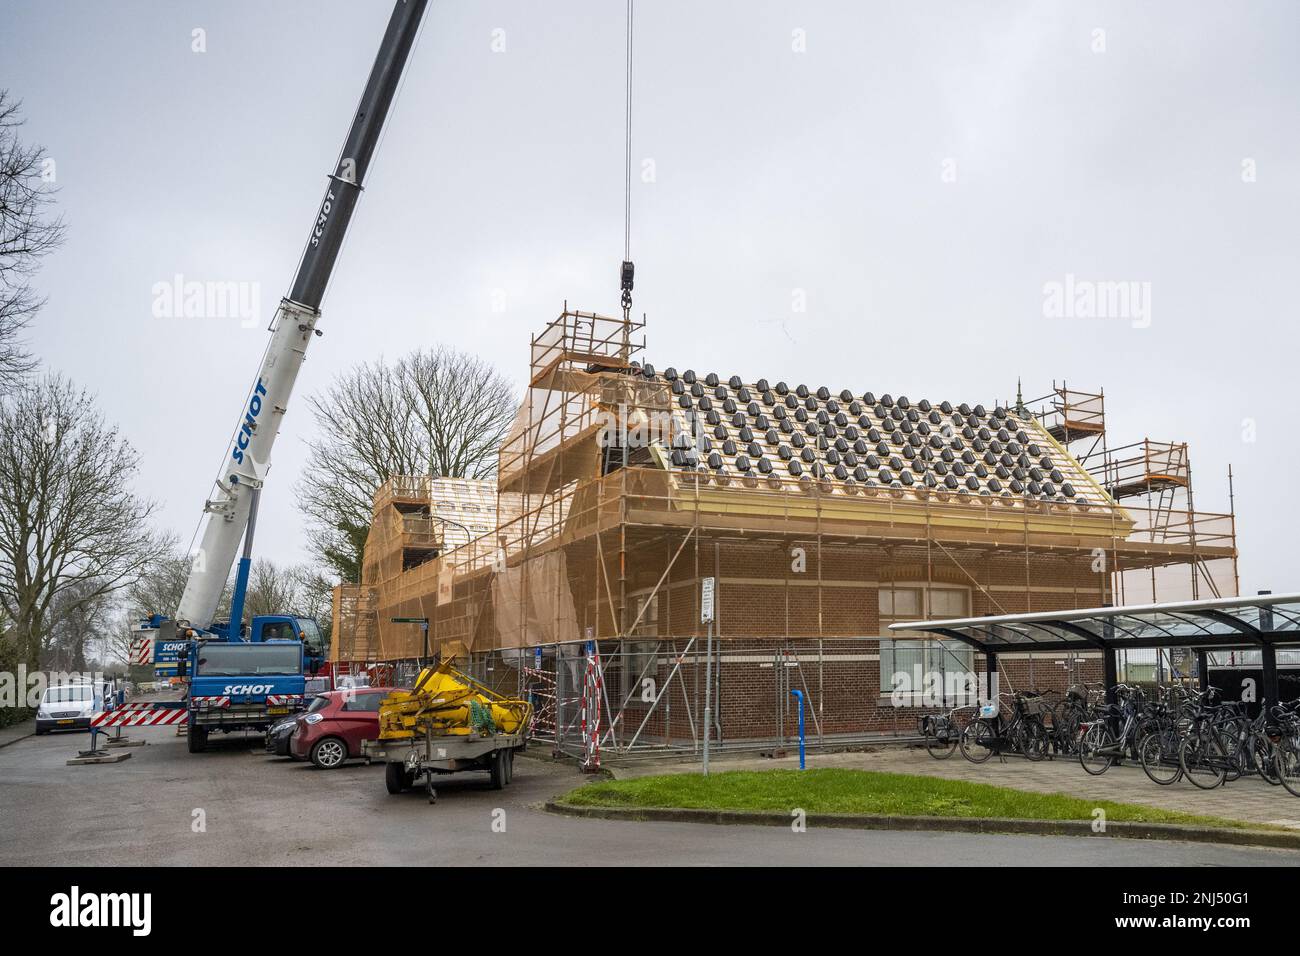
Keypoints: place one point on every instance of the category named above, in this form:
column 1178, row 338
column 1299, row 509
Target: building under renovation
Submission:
column 815, row 517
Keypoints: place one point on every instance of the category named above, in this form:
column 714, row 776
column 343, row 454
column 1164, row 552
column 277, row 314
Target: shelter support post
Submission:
column 1269, row 690
column 1110, row 670
column 1268, row 655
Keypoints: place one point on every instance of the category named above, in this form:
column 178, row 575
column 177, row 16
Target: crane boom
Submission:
column 292, row 331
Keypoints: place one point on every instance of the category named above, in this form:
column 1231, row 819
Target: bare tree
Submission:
column 316, row 598
column 438, row 412
column 292, row 589
column 80, row 616
column 115, row 642
column 272, row 589
column 28, row 232
column 71, row 530
column 157, row 589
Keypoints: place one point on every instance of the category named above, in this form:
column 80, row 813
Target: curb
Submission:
column 854, row 821
column 6, row 743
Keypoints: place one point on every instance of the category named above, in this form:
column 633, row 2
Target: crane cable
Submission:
column 627, row 271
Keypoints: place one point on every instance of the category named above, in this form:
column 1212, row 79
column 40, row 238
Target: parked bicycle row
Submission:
column 1172, row 732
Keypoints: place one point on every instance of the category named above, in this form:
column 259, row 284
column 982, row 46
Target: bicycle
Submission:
column 1101, row 746
column 942, row 733
column 1158, row 752
column 1204, row 754
column 1254, row 746
column 1286, row 748
column 987, row 735
column 1068, row 717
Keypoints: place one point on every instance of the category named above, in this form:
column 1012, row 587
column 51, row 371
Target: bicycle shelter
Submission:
column 1262, row 622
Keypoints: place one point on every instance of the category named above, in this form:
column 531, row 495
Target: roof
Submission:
column 864, row 441
column 1252, row 621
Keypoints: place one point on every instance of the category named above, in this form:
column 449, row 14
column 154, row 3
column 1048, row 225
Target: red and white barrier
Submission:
column 140, row 715
column 592, row 692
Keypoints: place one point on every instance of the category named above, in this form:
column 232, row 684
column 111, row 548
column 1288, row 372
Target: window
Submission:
column 278, row 631
column 217, row 659
column 919, row 665
column 311, row 635
column 68, row 694
column 368, row 703
column 648, row 625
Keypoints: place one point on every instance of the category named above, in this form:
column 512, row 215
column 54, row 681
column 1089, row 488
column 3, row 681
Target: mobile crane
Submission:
column 245, row 681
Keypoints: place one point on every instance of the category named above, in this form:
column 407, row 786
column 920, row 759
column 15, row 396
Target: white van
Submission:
column 69, row 706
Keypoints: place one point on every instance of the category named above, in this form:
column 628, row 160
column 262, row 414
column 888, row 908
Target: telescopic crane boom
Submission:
column 236, row 489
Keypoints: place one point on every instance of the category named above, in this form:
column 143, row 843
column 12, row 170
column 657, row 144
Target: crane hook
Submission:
column 626, row 275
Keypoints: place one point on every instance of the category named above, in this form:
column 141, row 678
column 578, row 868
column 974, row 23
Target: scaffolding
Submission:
column 583, row 593
column 1153, row 481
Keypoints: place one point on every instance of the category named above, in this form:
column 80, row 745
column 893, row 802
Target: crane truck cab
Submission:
column 243, row 678
column 239, row 685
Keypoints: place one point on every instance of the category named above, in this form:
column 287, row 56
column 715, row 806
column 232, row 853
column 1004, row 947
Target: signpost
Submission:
column 708, row 586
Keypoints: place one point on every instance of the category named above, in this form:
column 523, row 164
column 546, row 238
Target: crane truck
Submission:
column 245, row 679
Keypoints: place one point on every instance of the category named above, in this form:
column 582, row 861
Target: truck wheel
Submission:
column 510, row 767
column 197, row 739
column 397, row 779
column 329, row 752
column 498, row 769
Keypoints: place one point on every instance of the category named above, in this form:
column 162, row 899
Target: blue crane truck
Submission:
column 239, row 679
column 245, row 679
column 248, row 686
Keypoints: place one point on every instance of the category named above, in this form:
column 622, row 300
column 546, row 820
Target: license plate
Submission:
column 67, row 720
column 277, row 710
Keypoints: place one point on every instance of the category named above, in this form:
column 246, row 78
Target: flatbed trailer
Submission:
column 428, row 756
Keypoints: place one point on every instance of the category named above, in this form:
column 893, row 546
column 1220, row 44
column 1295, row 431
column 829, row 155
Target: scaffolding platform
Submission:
column 1070, row 415
column 1145, row 467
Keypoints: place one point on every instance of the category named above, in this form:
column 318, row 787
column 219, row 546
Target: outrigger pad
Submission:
column 97, row 756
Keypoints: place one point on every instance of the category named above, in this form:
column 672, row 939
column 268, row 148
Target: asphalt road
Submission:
column 267, row 811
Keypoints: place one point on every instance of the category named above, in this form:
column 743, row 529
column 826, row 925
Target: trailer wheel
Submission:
column 497, row 767
column 510, row 767
column 196, row 738
column 397, row 779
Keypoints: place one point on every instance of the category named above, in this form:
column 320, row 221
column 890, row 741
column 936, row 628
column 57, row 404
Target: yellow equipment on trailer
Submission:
column 448, row 723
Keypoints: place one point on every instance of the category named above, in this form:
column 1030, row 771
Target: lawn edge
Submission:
column 864, row 821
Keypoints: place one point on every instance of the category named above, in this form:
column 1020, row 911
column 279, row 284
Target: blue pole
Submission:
column 241, row 576
column 237, row 600
column 799, row 695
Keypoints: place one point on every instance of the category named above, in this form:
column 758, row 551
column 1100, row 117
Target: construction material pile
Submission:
column 445, row 702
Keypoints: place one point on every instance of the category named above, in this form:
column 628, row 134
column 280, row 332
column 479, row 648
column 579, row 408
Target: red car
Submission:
column 335, row 724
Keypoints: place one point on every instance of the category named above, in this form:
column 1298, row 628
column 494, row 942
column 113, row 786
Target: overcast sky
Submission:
column 915, row 172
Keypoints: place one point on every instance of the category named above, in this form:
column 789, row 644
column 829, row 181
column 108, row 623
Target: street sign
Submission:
column 706, row 601
column 409, row 620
